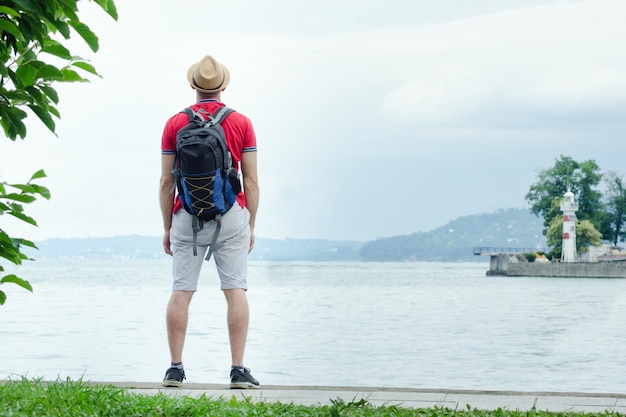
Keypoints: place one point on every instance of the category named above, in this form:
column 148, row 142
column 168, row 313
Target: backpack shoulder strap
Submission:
column 190, row 113
column 201, row 115
column 220, row 115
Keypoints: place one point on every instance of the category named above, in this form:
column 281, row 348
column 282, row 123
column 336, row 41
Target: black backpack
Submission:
column 207, row 182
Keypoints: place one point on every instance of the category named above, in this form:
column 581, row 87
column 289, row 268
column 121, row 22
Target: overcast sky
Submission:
column 372, row 119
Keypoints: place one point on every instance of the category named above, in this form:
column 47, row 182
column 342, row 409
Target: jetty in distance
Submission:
column 511, row 262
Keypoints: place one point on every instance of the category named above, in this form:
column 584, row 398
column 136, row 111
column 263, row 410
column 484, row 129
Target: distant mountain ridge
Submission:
column 450, row 243
column 510, row 228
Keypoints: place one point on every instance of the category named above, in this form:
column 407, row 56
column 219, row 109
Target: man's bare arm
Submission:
column 166, row 198
column 251, row 188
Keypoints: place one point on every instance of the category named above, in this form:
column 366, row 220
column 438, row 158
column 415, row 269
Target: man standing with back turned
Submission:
column 236, row 236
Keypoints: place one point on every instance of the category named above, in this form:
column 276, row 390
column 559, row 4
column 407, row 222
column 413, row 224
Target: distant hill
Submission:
column 454, row 241
column 451, row 242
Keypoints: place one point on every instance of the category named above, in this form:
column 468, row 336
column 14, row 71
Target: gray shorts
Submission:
column 230, row 252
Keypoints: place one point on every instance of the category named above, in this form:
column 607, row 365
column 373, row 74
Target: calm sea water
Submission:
column 421, row 325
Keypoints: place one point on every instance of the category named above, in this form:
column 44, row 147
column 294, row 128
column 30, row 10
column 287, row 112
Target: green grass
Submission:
column 77, row 398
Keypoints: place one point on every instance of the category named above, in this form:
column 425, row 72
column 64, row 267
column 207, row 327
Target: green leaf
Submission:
column 70, row 8
column 15, row 208
column 26, row 74
column 63, row 28
column 28, row 5
column 42, row 191
column 44, row 116
column 10, row 251
column 109, row 7
column 13, row 124
column 55, row 48
column 54, row 111
column 17, row 280
column 8, row 26
column 17, row 112
column 36, row 96
column 38, row 174
column 18, row 97
column 29, row 243
column 25, row 188
column 51, row 93
column 22, row 198
column 50, row 72
column 89, row 37
column 12, row 76
column 28, row 55
column 23, row 217
column 9, row 11
column 3, row 297
column 28, row 189
column 85, row 67
column 72, row 76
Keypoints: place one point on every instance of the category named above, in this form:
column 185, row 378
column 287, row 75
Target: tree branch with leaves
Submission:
column 614, row 221
column 32, row 60
column 581, row 178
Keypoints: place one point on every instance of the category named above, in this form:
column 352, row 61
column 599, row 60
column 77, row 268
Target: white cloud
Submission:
column 515, row 66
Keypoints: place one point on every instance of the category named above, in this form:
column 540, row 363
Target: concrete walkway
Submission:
column 403, row 397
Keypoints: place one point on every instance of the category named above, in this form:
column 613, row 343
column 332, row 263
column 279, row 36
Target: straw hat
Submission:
column 208, row 75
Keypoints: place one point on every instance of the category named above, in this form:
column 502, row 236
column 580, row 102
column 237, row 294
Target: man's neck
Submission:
column 214, row 97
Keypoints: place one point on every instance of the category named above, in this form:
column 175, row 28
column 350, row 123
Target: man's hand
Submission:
column 251, row 240
column 166, row 243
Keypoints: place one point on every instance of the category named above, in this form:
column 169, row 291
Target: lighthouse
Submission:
column 569, row 207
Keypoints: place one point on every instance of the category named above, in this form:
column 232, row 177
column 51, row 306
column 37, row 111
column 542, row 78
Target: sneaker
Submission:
column 243, row 380
column 173, row 377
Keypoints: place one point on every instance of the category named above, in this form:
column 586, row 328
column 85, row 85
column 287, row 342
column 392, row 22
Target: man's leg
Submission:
column 238, row 317
column 231, row 257
column 177, row 318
